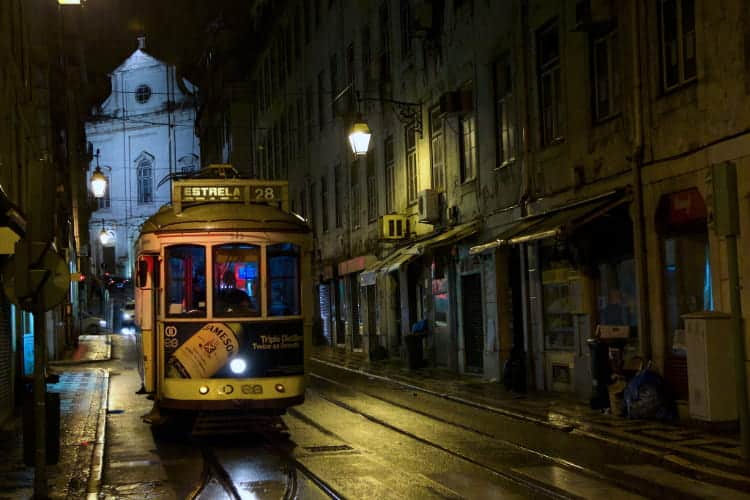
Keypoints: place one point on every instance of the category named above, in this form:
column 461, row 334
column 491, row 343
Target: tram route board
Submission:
column 229, row 190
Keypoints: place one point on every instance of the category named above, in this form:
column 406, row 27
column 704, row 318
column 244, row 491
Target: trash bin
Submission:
column 52, row 428
column 601, row 373
column 414, row 349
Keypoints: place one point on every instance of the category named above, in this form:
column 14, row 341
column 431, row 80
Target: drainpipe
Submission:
column 636, row 159
column 525, row 195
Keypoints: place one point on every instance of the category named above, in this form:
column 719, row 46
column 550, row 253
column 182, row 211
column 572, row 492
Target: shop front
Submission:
column 350, row 310
column 579, row 278
column 686, row 274
column 414, row 283
column 13, row 334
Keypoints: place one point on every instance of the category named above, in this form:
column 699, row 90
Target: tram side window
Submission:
column 283, row 279
column 236, row 280
column 186, row 280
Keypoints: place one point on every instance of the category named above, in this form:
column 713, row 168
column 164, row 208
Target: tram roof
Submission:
column 213, row 216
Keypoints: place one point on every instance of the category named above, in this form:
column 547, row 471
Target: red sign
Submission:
column 685, row 207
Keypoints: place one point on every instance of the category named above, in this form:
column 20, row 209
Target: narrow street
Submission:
column 360, row 436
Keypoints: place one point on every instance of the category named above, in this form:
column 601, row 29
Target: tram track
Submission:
column 518, row 479
column 294, row 473
column 213, row 470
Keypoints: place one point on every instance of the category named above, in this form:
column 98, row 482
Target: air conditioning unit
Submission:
column 429, row 206
column 393, row 227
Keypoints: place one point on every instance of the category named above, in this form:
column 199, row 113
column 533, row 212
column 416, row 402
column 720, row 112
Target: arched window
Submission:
column 145, row 171
column 188, row 163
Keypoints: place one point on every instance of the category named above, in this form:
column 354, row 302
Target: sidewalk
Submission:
column 683, row 443
column 83, row 401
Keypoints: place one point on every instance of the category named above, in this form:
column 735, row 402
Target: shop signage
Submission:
column 685, row 207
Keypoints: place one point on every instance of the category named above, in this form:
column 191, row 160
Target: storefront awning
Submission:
column 448, row 237
column 555, row 223
column 406, row 254
column 12, row 225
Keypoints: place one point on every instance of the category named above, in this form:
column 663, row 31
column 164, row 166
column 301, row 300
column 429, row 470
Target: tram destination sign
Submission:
column 229, row 190
column 211, row 193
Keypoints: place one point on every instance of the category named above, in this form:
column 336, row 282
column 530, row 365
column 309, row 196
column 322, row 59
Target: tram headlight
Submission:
column 238, row 366
column 203, row 389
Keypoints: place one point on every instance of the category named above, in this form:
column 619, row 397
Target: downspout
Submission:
column 525, row 196
column 636, row 159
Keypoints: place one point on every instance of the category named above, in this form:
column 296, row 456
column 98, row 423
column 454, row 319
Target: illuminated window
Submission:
column 436, row 149
column 411, row 165
column 236, row 280
column 186, row 280
column 283, row 279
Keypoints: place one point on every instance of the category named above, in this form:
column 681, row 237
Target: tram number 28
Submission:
column 265, row 193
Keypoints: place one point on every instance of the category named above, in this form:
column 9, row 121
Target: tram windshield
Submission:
column 186, row 280
column 236, row 280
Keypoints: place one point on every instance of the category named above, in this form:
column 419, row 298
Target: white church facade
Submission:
column 143, row 132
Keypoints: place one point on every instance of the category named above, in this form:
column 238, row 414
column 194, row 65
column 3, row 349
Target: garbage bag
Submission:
column 647, row 396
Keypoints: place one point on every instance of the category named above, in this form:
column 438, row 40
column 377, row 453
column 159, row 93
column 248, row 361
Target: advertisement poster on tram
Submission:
column 205, row 350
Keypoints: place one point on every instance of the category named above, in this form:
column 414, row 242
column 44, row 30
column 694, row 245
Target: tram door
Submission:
column 147, row 296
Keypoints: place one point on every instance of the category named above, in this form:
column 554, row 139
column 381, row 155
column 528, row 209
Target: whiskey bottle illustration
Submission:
column 206, row 352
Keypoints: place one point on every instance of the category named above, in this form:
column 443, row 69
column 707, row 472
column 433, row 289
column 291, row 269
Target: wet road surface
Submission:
column 361, row 437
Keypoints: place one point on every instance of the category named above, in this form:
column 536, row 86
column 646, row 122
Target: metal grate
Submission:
column 328, row 448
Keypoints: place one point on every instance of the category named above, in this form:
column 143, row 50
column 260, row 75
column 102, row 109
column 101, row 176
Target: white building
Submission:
column 140, row 134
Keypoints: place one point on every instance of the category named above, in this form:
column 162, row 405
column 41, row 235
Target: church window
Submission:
column 142, row 94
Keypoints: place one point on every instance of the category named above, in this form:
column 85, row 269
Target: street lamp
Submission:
column 359, row 137
column 98, row 180
column 408, row 113
column 98, row 183
column 107, row 237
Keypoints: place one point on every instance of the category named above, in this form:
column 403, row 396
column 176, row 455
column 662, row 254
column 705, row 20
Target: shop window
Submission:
column 186, row 280
column 236, row 287
column 283, row 279
column 558, row 306
column 686, row 272
column 686, row 266
column 617, row 295
column 441, row 304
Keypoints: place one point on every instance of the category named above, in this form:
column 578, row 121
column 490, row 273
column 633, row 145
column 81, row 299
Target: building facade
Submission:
column 42, row 183
column 538, row 172
column 139, row 136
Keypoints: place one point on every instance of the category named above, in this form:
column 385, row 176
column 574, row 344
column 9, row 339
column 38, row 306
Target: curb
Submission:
column 97, row 455
column 69, row 362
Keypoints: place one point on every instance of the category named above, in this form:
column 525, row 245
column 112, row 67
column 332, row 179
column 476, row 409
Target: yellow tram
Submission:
column 223, row 298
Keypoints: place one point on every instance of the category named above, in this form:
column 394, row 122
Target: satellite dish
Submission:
column 54, row 289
